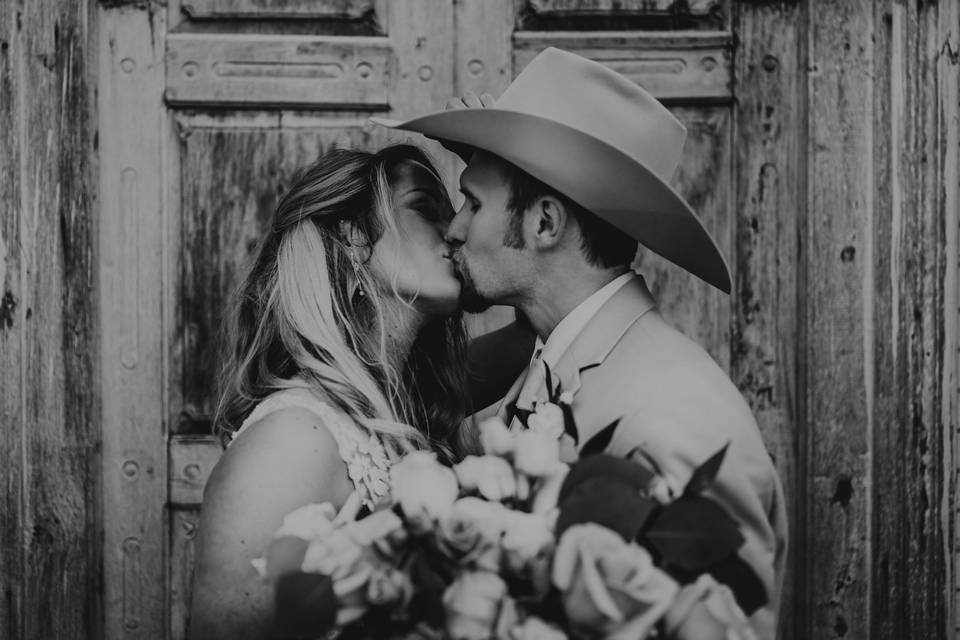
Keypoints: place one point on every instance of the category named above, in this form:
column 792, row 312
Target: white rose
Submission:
column 423, row 488
column 493, row 477
column 547, row 418
column 536, row 453
column 495, row 437
column 308, row 522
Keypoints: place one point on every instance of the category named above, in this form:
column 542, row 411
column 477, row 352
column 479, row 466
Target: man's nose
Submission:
column 457, row 229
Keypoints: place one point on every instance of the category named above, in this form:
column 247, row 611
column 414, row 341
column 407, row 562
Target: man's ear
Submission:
column 549, row 218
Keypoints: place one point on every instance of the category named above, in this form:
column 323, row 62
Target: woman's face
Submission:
column 418, row 261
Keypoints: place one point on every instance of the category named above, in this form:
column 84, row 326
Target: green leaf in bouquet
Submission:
column 734, row 572
column 692, row 533
column 608, row 502
column 430, row 580
column 704, row 475
column 305, row 604
column 598, row 443
column 633, row 474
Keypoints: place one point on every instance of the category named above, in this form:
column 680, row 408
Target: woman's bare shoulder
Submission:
column 283, row 461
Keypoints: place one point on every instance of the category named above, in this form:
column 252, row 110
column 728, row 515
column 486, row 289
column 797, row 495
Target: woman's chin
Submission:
column 442, row 304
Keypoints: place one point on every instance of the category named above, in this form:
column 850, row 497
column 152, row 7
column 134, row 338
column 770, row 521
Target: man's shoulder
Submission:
column 654, row 364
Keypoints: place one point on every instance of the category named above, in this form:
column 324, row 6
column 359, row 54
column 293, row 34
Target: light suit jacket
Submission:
column 676, row 403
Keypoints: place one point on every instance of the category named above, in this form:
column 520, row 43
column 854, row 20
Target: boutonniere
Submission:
column 553, row 415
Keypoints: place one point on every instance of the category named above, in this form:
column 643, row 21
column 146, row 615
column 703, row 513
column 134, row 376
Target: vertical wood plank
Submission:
column 911, row 236
column 483, row 45
column 48, row 322
column 12, row 323
column 837, row 305
column 132, row 129
column 947, row 40
column 769, row 160
column 704, row 180
column 422, row 35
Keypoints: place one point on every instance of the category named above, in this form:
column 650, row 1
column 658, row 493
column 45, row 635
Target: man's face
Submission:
column 488, row 269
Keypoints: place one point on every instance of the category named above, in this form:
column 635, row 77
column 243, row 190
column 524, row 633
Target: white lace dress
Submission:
column 368, row 460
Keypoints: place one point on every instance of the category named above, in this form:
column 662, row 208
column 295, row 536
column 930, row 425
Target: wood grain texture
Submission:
column 769, row 203
column 704, row 180
column 131, row 287
column 230, row 180
column 910, row 233
column 266, row 9
column 618, row 7
column 13, row 351
column 318, row 71
column 838, row 297
column 947, row 63
column 183, row 531
column 49, row 411
column 191, row 459
column 678, row 66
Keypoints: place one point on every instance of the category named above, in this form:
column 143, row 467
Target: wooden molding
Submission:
column 674, row 65
column 247, row 70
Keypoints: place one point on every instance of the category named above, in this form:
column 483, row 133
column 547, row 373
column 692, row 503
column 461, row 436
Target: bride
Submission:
column 345, row 332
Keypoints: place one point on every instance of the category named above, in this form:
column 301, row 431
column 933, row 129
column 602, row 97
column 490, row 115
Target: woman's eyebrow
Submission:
column 427, row 190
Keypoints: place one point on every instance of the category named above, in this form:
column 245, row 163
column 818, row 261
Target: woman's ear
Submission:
column 549, row 221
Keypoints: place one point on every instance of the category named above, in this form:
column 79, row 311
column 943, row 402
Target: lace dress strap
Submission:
column 367, row 459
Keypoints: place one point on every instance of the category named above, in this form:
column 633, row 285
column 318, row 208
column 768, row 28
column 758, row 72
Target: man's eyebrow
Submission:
column 466, row 191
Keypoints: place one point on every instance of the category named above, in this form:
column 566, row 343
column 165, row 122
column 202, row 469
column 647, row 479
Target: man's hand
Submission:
column 468, row 101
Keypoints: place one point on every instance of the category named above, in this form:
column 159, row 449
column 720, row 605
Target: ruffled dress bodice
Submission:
column 368, row 460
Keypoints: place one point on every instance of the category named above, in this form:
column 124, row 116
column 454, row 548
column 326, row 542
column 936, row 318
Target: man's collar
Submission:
column 574, row 322
column 603, row 331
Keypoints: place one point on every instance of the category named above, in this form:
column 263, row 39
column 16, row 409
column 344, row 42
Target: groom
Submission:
column 570, row 171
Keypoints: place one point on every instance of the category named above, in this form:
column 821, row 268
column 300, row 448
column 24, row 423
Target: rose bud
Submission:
column 423, row 488
column 493, row 477
column 473, row 604
column 534, row 628
column 606, row 581
column 495, row 437
column 707, row 609
column 547, row 418
column 536, row 454
column 308, row 522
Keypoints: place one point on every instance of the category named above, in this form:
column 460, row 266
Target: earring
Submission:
column 356, row 274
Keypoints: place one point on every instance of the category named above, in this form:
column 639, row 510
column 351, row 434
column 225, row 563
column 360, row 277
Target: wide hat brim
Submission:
column 597, row 176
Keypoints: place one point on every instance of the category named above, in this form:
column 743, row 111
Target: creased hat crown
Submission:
column 591, row 97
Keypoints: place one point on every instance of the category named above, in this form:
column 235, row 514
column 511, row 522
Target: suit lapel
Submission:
column 607, row 326
column 591, row 347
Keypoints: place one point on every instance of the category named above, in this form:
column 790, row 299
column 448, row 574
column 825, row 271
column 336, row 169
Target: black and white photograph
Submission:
column 479, row 319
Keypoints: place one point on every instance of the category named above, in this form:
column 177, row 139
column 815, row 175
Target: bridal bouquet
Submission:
column 516, row 545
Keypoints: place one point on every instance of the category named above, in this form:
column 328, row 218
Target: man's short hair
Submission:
column 602, row 244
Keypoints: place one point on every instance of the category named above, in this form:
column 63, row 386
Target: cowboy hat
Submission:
column 599, row 139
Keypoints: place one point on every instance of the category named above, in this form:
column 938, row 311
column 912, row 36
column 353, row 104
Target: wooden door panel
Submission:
column 670, row 65
column 704, row 180
column 231, row 178
column 580, row 8
column 279, row 69
column 268, row 9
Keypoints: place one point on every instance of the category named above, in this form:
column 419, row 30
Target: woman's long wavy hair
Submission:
column 311, row 314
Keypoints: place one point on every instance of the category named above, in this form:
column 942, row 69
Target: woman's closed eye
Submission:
column 432, row 209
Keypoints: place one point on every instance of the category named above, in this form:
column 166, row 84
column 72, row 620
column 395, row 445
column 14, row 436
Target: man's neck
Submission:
column 558, row 295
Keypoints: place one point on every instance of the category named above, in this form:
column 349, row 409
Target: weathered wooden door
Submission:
column 208, row 106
